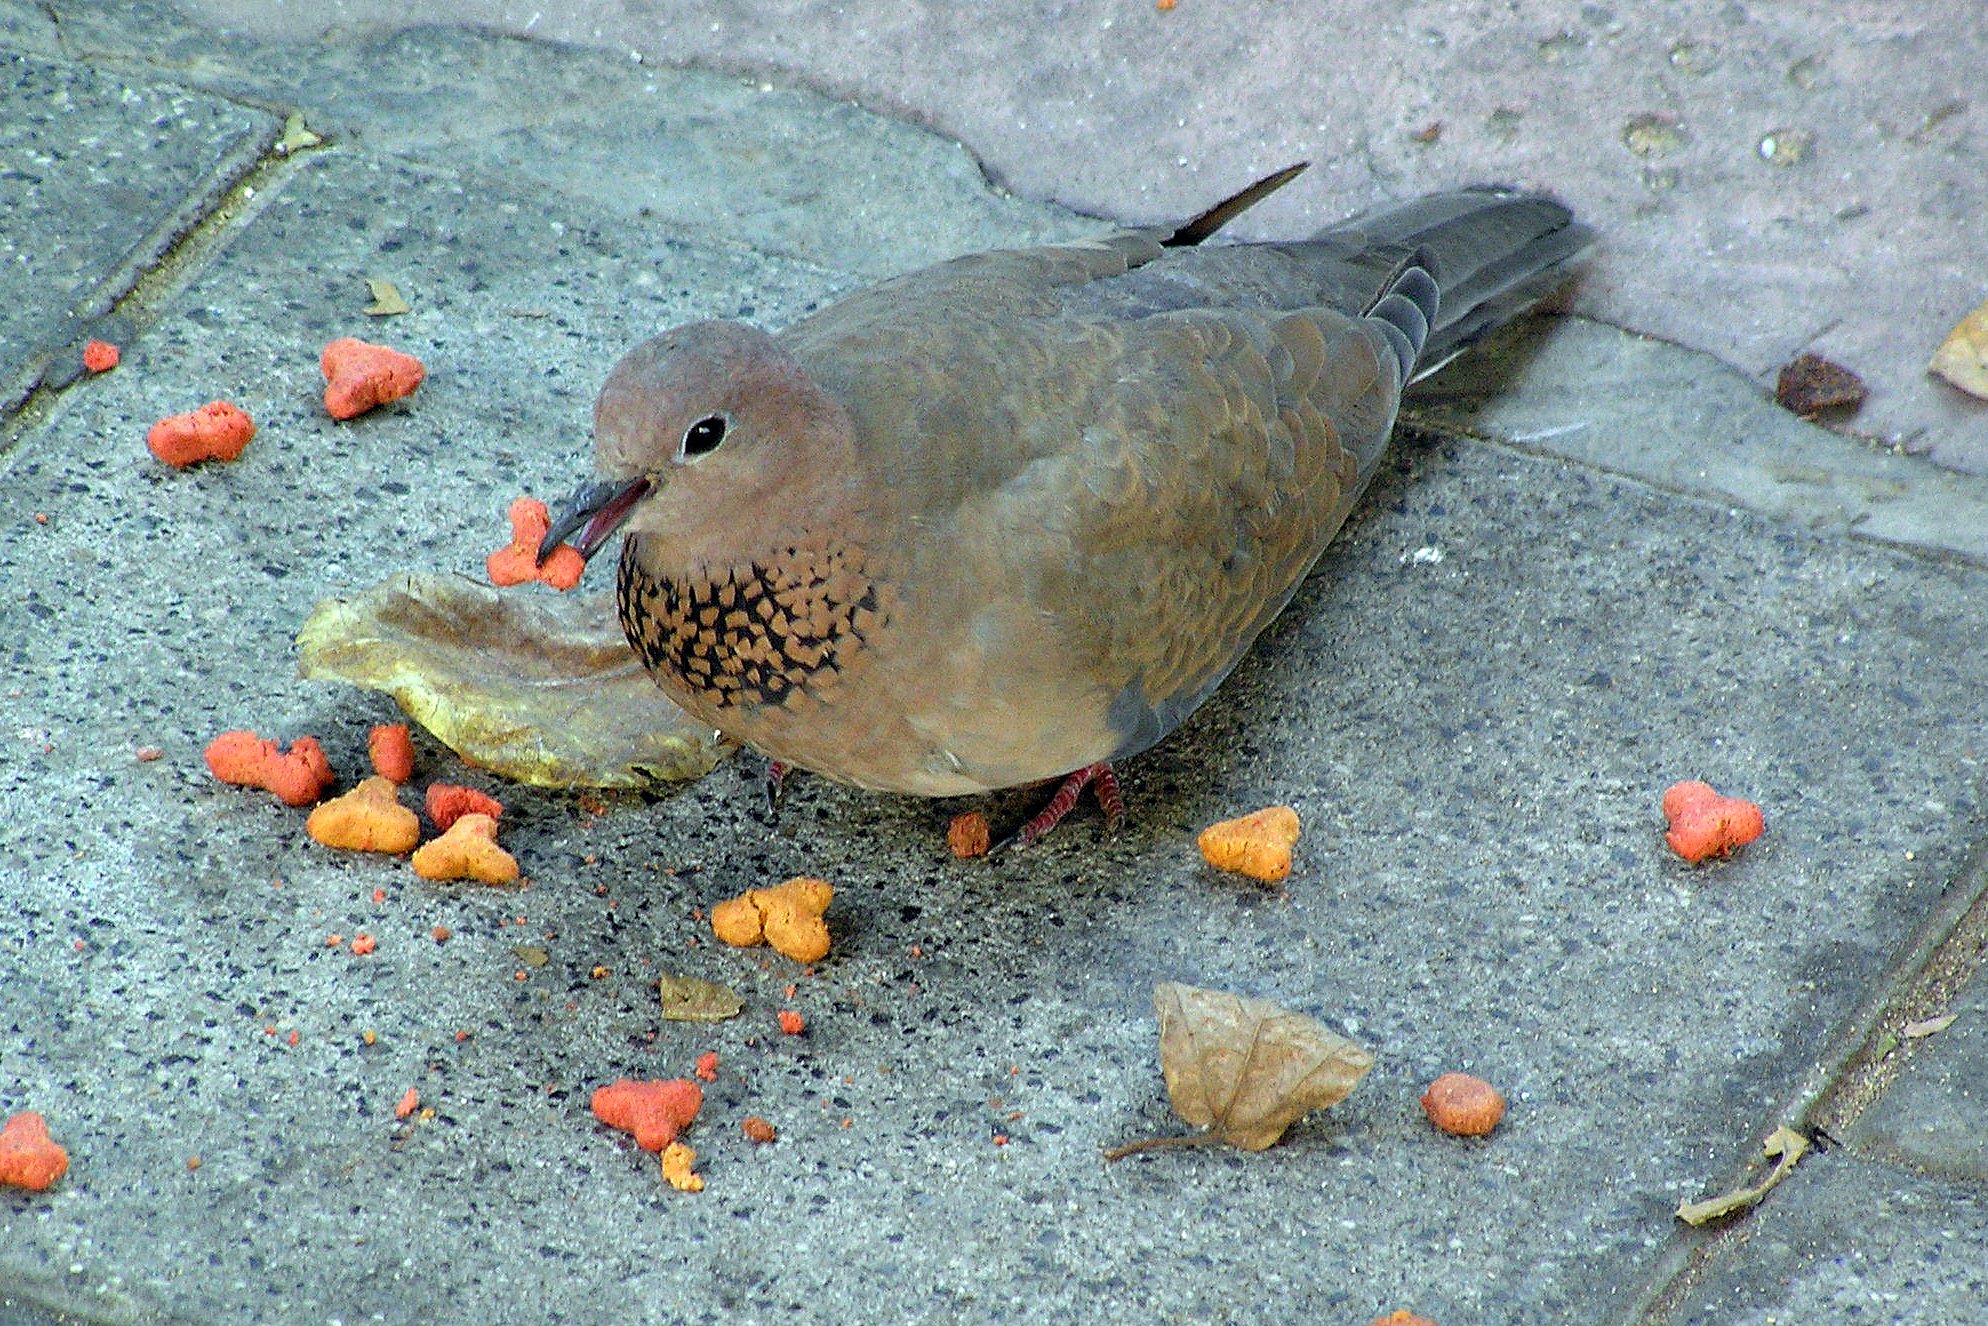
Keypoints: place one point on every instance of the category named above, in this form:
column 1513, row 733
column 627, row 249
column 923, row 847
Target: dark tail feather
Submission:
column 1459, row 265
column 1192, row 232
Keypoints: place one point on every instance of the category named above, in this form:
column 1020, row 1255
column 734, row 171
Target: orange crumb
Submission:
column 148, row 753
column 215, row 431
column 757, row 1129
column 654, row 1110
column 1704, row 824
column 448, row 803
column 600, row 971
column 518, row 562
column 192, row 1163
column 333, row 941
column 295, row 1036
column 100, row 356
column 359, row 376
column 29, row 1158
column 788, row 917
column 379, row 895
column 442, row 934
column 391, row 750
column 1163, row 5
column 468, row 850
column 677, row 1160
column 1257, row 845
column 1401, row 1317
column 1000, row 1139
column 369, row 818
column 1462, row 1105
column 297, row 776
column 369, row 1036
column 409, row 1103
column 967, row 835
column 707, row 1066
column 792, row 1023
column 363, row 943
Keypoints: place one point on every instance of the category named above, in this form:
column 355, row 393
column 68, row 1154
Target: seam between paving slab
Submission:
column 1861, row 1062
column 182, row 236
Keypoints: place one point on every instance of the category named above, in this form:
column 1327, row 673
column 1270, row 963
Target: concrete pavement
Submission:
column 1624, row 568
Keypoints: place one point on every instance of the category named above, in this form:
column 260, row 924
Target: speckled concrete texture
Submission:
column 1776, row 179
column 1527, row 632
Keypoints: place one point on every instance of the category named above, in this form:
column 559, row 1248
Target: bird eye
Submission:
column 702, row 437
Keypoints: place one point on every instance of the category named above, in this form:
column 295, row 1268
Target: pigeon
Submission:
column 1015, row 516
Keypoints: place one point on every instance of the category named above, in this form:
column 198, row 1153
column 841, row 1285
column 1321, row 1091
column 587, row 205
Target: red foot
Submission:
column 1109, row 798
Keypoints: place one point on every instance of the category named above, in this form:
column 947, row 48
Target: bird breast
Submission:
column 731, row 640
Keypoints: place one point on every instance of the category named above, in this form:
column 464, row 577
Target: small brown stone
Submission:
column 1809, row 384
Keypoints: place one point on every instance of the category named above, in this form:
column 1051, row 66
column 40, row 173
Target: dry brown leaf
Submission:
column 1962, row 358
column 1784, row 1146
column 542, row 689
column 1246, row 1069
column 687, row 999
column 387, row 300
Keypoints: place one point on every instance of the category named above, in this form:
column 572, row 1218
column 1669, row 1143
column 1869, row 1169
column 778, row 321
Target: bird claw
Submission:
column 776, row 787
column 1104, row 783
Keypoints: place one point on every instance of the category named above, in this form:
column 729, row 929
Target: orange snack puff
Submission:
column 967, row 835
column 1256, row 845
column 1462, row 1105
column 100, row 356
column 677, row 1160
column 448, row 803
column 518, row 563
column 409, row 1103
column 29, row 1158
column 655, row 1111
column 468, row 850
column 792, row 1023
column 369, row 818
column 215, row 431
column 1704, row 824
column 788, row 917
column 391, row 750
column 707, row 1066
column 359, row 376
column 298, row 776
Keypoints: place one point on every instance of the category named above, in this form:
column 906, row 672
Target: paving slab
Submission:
column 1935, row 1117
column 733, row 160
column 1849, row 1241
column 88, row 205
column 1769, row 178
column 1474, row 707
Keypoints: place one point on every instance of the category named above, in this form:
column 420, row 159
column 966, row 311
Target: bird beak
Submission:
column 600, row 508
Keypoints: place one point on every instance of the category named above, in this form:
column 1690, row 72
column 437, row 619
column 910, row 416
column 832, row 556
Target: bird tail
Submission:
column 1452, row 267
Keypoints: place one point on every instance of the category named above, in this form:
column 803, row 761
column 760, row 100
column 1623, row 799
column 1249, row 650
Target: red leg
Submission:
column 1065, row 801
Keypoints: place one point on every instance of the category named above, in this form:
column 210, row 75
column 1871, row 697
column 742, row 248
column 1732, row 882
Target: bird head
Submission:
column 709, row 437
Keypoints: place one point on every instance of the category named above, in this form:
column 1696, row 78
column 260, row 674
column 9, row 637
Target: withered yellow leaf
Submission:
column 542, row 689
column 687, row 999
column 1247, row 1069
column 387, row 301
column 1962, row 358
column 1784, row 1146
column 296, row 136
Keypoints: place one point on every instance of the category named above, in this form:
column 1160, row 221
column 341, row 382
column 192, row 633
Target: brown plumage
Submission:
column 1019, row 514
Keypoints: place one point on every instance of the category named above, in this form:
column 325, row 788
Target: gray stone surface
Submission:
column 1935, row 1117
column 98, row 177
column 1846, row 1241
column 1474, row 707
column 1854, row 236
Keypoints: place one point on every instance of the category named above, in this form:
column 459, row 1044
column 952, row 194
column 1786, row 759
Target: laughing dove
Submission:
column 1016, row 516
